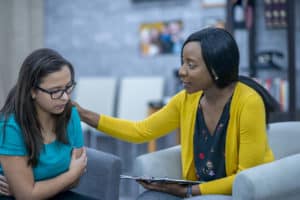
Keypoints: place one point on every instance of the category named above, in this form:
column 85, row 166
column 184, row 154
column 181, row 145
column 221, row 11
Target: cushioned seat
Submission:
column 276, row 180
column 102, row 178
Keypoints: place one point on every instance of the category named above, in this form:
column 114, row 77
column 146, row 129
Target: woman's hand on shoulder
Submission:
column 78, row 107
column 4, row 187
column 87, row 116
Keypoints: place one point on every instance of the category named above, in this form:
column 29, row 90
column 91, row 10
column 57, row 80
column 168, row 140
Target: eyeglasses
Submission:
column 57, row 94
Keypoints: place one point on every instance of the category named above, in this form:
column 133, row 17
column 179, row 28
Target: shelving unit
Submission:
column 291, row 59
column 292, row 113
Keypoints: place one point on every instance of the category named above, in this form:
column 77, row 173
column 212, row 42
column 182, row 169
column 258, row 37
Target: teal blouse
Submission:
column 54, row 157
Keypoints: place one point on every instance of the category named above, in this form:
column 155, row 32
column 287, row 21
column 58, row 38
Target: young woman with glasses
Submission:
column 41, row 142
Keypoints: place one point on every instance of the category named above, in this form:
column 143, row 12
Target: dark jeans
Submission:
column 151, row 195
column 68, row 195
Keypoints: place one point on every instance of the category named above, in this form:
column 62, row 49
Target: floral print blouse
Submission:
column 209, row 148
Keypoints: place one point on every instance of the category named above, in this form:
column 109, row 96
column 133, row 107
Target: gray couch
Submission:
column 102, row 178
column 278, row 180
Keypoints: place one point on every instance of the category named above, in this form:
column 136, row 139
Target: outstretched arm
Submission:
column 157, row 125
column 21, row 181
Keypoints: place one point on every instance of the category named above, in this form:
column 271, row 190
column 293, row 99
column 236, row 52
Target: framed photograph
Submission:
column 161, row 38
column 213, row 22
column 213, row 3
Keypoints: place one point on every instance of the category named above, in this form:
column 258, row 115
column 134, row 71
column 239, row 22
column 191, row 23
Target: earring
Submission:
column 215, row 74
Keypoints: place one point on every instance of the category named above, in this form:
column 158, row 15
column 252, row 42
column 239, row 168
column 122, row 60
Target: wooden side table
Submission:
column 153, row 107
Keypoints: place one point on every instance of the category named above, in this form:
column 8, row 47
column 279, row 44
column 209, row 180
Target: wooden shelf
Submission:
column 292, row 113
column 283, row 116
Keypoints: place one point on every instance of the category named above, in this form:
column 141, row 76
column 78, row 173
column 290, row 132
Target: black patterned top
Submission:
column 209, row 149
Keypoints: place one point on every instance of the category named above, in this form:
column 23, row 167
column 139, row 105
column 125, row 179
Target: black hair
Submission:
column 271, row 105
column 220, row 54
column 19, row 102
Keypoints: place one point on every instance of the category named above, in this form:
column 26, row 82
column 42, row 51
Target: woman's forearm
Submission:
column 89, row 117
column 73, row 185
column 43, row 189
column 21, row 179
column 49, row 188
column 63, row 182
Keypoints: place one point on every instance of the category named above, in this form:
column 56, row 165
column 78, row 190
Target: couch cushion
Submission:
column 275, row 180
column 284, row 138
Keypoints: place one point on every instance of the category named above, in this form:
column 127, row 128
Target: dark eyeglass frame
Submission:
column 62, row 91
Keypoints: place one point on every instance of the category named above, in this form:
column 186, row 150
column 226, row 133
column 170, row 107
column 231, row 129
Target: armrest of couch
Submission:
column 102, row 177
column 163, row 163
column 276, row 180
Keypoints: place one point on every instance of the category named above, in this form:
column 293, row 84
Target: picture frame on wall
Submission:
column 164, row 37
column 211, row 21
column 213, row 3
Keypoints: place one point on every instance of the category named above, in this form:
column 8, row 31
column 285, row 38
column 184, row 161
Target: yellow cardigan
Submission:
column 246, row 140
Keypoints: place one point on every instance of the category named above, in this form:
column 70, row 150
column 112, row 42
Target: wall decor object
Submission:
column 213, row 3
column 161, row 37
column 212, row 21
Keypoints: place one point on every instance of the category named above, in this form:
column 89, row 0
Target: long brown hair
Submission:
column 20, row 104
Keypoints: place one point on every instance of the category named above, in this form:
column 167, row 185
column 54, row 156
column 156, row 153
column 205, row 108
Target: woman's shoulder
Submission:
column 9, row 122
column 245, row 94
column 246, row 91
column 74, row 113
column 183, row 94
column 12, row 131
column 74, row 120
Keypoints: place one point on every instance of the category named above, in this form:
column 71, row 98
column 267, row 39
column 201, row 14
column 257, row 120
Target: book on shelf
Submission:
column 275, row 12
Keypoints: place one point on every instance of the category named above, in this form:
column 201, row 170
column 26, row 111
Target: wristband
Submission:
column 189, row 191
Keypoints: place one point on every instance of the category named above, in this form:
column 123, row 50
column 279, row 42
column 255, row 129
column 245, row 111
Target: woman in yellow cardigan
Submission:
column 222, row 120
